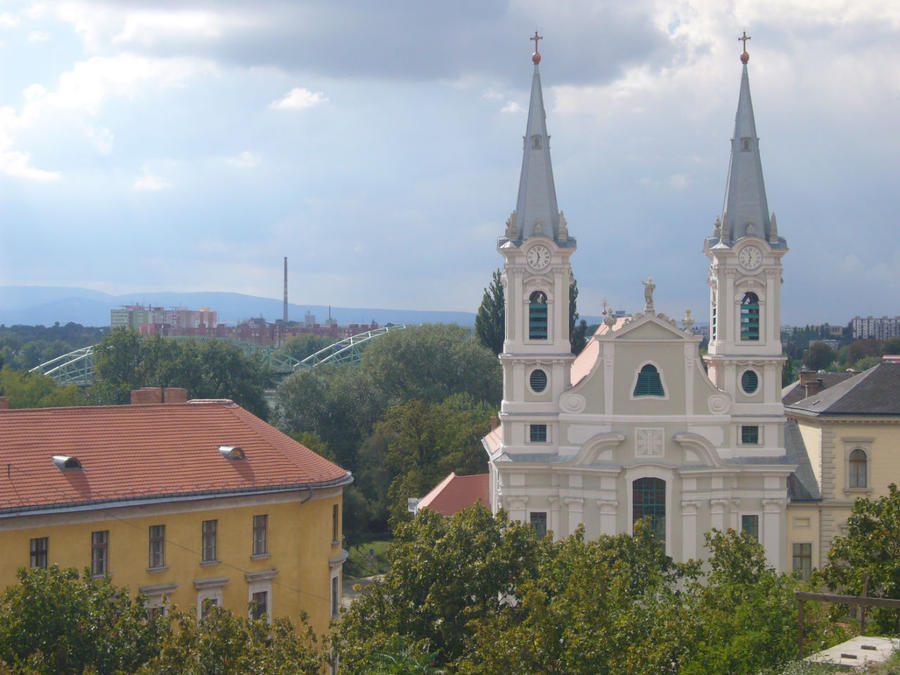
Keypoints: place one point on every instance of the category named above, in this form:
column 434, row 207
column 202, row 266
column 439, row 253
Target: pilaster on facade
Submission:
column 608, row 510
column 553, row 502
column 575, row 507
column 689, row 508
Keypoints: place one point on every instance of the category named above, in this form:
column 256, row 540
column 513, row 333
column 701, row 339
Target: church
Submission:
column 639, row 425
column 635, row 426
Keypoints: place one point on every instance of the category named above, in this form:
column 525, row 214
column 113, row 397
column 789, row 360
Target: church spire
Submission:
column 536, row 209
column 746, row 210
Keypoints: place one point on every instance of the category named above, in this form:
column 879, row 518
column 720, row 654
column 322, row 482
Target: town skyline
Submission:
column 150, row 148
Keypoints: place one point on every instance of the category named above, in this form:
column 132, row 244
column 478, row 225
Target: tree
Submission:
column 870, row 550
column 304, row 345
column 426, row 441
column 445, row 574
column 55, row 621
column 430, row 362
column 577, row 329
column 33, row 390
column 490, row 322
column 819, row 356
column 209, row 369
column 224, row 644
column 892, row 345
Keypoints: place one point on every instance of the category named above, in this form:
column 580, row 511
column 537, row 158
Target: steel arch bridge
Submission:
column 77, row 367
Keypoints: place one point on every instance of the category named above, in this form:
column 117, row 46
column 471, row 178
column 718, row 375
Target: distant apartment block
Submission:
column 879, row 328
column 179, row 318
column 203, row 323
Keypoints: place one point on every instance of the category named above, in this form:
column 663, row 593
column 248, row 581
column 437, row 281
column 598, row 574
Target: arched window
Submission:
column 537, row 316
column 750, row 317
column 858, row 469
column 649, row 499
column 649, row 382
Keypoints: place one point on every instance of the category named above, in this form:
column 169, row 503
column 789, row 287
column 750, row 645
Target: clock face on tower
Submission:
column 750, row 257
column 538, row 257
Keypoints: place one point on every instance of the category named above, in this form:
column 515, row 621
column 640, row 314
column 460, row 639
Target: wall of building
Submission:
column 300, row 545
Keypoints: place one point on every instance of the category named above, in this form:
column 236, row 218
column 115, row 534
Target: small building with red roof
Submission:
column 188, row 502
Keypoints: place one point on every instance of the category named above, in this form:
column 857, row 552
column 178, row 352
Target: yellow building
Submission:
column 188, row 502
column 844, row 433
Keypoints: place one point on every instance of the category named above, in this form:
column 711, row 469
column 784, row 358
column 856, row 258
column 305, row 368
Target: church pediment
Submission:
column 648, row 327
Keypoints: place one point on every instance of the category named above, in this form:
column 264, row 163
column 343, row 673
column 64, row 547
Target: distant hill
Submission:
column 45, row 305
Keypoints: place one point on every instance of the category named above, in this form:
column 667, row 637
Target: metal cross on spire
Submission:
column 536, row 57
column 744, row 55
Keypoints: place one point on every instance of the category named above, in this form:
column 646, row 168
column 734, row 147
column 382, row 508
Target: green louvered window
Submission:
column 649, row 382
column 649, row 500
column 750, row 317
column 750, row 435
column 539, row 522
column 538, row 380
column 749, row 381
column 537, row 316
column 750, row 525
column 537, row 433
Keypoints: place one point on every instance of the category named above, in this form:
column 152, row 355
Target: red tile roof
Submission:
column 147, row 452
column 455, row 493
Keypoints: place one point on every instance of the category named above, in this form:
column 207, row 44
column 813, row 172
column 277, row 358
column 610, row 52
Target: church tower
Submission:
column 536, row 274
column 745, row 353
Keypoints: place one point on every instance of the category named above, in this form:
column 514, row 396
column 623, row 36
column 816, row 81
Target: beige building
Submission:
column 846, row 433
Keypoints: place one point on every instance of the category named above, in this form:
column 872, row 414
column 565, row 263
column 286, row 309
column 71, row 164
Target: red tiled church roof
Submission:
column 455, row 493
column 147, row 452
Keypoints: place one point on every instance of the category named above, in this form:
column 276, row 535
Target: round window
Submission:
column 749, row 381
column 538, row 380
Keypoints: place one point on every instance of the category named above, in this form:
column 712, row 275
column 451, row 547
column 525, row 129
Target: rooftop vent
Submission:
column 232, row 452
column 66, row 463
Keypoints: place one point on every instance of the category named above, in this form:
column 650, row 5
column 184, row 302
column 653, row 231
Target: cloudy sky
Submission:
column 189, row 145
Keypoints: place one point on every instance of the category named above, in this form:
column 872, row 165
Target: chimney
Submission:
column 174, row 395
column 146, row 395
column 811, row 382
column 4, row 403
column 495, row 422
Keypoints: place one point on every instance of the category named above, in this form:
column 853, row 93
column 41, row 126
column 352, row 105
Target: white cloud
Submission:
column 39, row 36
column 7, row 20
column 18, row 164
column 90, row 83
column 150, row 183
column 244, row 160
column 299, row 99
column 511, row 107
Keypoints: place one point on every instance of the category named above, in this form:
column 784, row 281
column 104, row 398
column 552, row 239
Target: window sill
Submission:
column 858, row 491
column 209, row 563
column 335, row 542
column 155, row 570
column 261, row 556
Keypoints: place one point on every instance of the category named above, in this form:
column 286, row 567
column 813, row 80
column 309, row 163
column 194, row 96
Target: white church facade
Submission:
column 634, row 426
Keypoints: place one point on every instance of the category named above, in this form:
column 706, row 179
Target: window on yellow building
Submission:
column 39, row 552
column 208, row 540
column 157, row 546
column 802, row 559
column 259, row 604
column 100, row 553
column 858, row 470
column 335, row 523
column 260, row 534
column 206, row 604
column 335, row 596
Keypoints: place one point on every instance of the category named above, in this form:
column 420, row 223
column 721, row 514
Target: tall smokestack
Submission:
column 285, row 290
